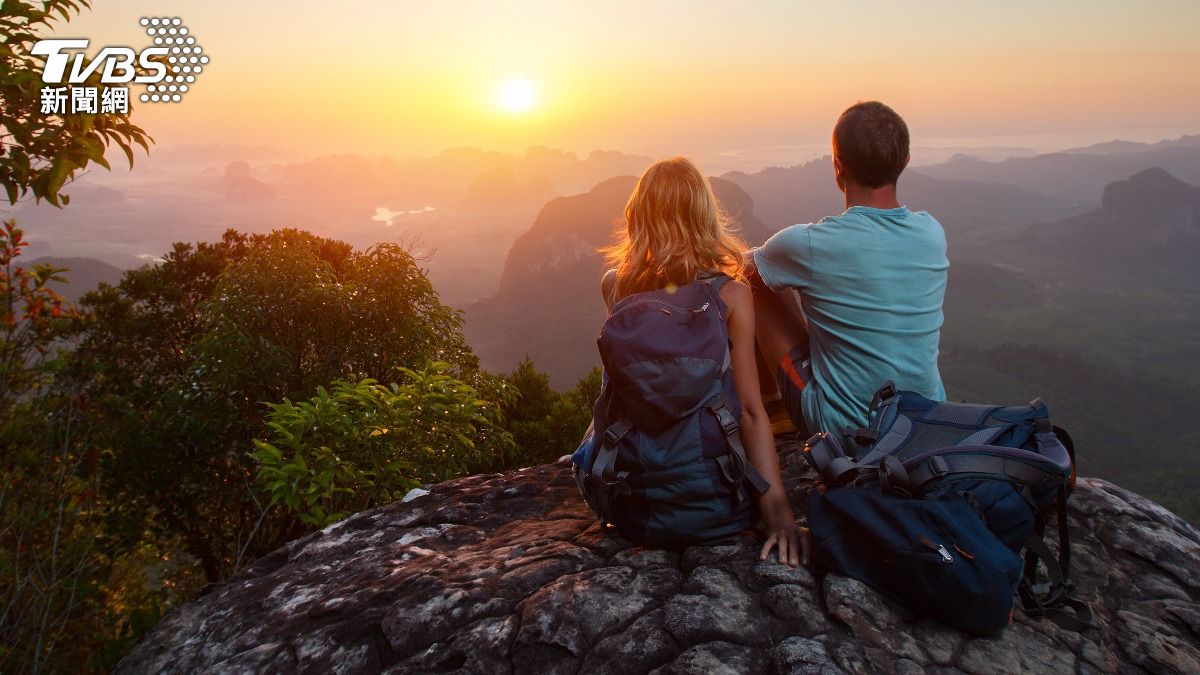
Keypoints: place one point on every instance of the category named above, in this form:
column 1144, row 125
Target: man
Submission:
column 870, row 281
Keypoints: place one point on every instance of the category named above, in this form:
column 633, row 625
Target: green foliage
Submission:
column 544, row 423
column 40, row 153
column 363, row 443
column 67, row 586
column 135, row 627
column 182, row 356
column 32, row 317
column 299, row 311
column 48, row 562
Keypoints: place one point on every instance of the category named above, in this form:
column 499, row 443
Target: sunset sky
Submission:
column 404, row 78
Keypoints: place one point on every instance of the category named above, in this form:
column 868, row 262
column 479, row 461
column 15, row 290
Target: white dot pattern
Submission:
column 184, row 60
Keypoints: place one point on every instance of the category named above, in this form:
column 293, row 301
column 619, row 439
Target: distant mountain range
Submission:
column 1118, row 147
column 1079, row 175
column 806, row 193
column 1067, row 307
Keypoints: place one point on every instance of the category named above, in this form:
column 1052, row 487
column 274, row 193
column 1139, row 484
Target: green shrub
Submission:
column 546, row 424
column 363, row 443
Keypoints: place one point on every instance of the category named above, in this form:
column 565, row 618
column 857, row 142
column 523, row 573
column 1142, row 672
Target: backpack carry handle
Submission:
column 883, row 396
column 893, row 477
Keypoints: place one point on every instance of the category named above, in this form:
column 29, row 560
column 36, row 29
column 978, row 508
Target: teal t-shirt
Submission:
column 872, row 282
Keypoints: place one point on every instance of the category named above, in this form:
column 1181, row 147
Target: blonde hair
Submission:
column 674, row 230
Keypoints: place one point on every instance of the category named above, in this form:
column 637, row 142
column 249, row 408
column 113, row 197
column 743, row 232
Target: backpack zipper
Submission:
column 946, row 557
column 642, row 301
column 939, row 549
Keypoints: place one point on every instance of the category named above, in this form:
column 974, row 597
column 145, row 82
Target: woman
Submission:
column 676, row 234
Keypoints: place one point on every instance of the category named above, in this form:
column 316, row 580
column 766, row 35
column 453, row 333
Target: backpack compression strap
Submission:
column 1052, row 598
column 734, row 465
column 605, row 464
column 611, row 482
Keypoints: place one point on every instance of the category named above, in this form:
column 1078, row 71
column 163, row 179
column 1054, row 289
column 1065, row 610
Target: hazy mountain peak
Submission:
column 1147, row 194
column 963, row 157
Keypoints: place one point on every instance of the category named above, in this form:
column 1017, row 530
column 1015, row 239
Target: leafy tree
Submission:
column 48, row 566
column 299, row 311
column 182, row 356
column 52, row 562
column 40, row 152
column 68, row 591
column 544, row 423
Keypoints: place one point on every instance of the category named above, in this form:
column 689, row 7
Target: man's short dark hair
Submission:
column 871, row 141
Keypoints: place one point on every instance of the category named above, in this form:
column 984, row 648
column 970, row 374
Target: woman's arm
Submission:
column 756, row 430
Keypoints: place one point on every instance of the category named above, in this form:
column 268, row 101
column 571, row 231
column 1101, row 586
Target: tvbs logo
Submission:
column 167, row 69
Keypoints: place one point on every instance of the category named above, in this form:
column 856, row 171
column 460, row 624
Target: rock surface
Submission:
column 509, row 573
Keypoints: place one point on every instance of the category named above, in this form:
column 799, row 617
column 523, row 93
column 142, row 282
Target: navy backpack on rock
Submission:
column 936, row 502
column 663, row 463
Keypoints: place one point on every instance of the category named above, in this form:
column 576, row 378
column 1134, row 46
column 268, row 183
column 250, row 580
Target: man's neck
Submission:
column 883, row 197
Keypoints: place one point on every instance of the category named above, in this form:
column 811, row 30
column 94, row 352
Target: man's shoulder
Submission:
column 869, row 220
column 803, row 231
column 925, row 216
column 931, row 226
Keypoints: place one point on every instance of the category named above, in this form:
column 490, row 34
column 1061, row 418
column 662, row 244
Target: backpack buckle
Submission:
column 620, row 486
column 939, row 467
column 729, row 425
column 616, row 431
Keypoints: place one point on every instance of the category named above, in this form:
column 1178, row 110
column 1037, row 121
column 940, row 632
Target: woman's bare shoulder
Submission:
column 607, row 283
column 736, row 293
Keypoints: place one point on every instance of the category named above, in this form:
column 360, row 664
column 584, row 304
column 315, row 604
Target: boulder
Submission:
column 510, row 573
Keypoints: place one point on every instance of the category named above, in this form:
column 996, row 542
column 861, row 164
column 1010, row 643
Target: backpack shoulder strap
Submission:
column 714, row 280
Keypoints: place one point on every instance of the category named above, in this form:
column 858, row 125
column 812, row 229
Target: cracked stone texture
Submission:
column 509, row 573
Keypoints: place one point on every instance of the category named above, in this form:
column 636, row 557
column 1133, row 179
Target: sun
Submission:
column 517, row 95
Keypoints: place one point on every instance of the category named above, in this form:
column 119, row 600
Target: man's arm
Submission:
column 783, row 261
column 779, row 325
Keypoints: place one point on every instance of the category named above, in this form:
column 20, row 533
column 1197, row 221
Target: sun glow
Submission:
column 517, row 95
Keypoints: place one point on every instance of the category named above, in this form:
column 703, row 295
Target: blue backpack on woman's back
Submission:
column 663, row 463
